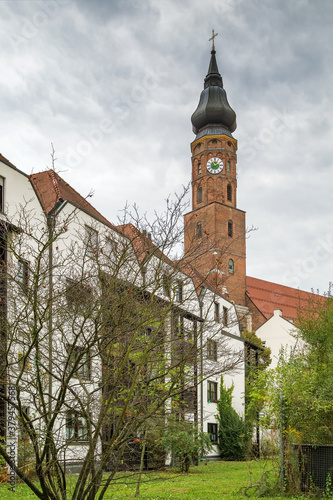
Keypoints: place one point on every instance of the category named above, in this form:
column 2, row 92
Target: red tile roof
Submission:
column 51, row 188
column 268, row 296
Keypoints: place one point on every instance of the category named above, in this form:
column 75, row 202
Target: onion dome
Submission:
column 214, row 114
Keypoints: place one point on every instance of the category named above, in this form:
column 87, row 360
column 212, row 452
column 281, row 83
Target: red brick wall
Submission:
column 214, row 249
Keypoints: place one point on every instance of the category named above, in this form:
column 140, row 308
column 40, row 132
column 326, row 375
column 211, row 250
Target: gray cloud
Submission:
column 113, row 85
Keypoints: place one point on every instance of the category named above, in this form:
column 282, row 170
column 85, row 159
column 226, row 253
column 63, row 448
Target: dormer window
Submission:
column 199, row 194
column 2, row 182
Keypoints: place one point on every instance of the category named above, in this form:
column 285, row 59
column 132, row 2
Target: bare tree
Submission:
column 101, row 339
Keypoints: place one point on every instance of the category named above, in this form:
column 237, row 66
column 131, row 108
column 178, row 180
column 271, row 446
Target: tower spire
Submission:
column 214, row 110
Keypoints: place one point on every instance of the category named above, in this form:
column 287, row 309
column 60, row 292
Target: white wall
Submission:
column 277, row 332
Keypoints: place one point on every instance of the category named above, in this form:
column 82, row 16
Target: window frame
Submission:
column 23, row 274
column 230, row 229
column 79, row 354
column 91, row 241
column 199, row 230
column 212, row 430
column 166, row 284
column 229, row 192
column 2, row 194
column 217, row 312
column 75, row 416
column 212, row 394
column 225, row 316
column 212, row 350
column 199, row 194
column 179, row 292
column 231, row 266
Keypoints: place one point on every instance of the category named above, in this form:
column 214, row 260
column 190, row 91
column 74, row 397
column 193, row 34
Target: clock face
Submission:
column 215, row 165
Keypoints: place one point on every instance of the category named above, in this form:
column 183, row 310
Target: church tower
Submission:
column 215, row 227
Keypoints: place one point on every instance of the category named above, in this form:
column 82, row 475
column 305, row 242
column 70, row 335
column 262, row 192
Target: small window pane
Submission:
column 229, row 192
column 230, row 229
column 212, row 431
column 199, row 230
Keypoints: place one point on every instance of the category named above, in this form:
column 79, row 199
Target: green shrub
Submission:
column 233, row 436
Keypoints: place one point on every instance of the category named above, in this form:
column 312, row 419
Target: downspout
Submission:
column 50, row 226
column 201, row 370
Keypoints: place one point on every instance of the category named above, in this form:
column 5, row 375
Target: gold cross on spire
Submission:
column 214, row 35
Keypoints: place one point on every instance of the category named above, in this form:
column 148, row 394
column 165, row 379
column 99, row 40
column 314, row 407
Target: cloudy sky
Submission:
column 112, row 84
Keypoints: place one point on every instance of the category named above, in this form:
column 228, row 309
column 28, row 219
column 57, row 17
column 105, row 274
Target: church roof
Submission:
column 214, row 110
column 267, row 296
column 52, row 189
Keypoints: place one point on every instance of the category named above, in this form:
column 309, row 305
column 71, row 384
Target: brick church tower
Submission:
column 215, row 227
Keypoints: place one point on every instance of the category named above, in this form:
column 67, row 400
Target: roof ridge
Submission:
column 54, row 181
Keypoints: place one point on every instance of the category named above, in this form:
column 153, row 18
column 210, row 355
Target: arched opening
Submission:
column 231, row 266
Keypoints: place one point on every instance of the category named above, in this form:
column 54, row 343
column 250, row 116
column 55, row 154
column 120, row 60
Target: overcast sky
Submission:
column 112, row 84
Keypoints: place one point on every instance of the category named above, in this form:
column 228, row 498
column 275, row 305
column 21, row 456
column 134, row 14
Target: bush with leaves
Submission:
column 185, row 443
column 233, row 435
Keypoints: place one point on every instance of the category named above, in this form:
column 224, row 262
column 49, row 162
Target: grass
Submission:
column 214, row 481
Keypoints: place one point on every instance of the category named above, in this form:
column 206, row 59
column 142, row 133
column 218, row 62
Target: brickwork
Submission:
column 215, row 228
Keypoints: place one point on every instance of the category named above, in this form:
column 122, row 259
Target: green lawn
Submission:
column 214, row 481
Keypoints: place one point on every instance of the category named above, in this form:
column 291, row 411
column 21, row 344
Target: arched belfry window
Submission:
column 229, row 192
column 231, row 266
column 199, row 194
column 199, row 230
column 230, row 228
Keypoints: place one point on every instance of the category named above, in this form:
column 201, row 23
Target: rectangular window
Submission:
column 166, row 285
column 212, row 350
column 199, row 194
column 211, row 392
column 110, row 246
column 79, row 295
column 91, row 241
column 199, row 230
column 225, row 316
column 212, row 431
column 22, row 274
column 79, row 359
column 179, row 292
column 179, row 325
column 217, row 312
column 76, row 427
column 2, row 185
